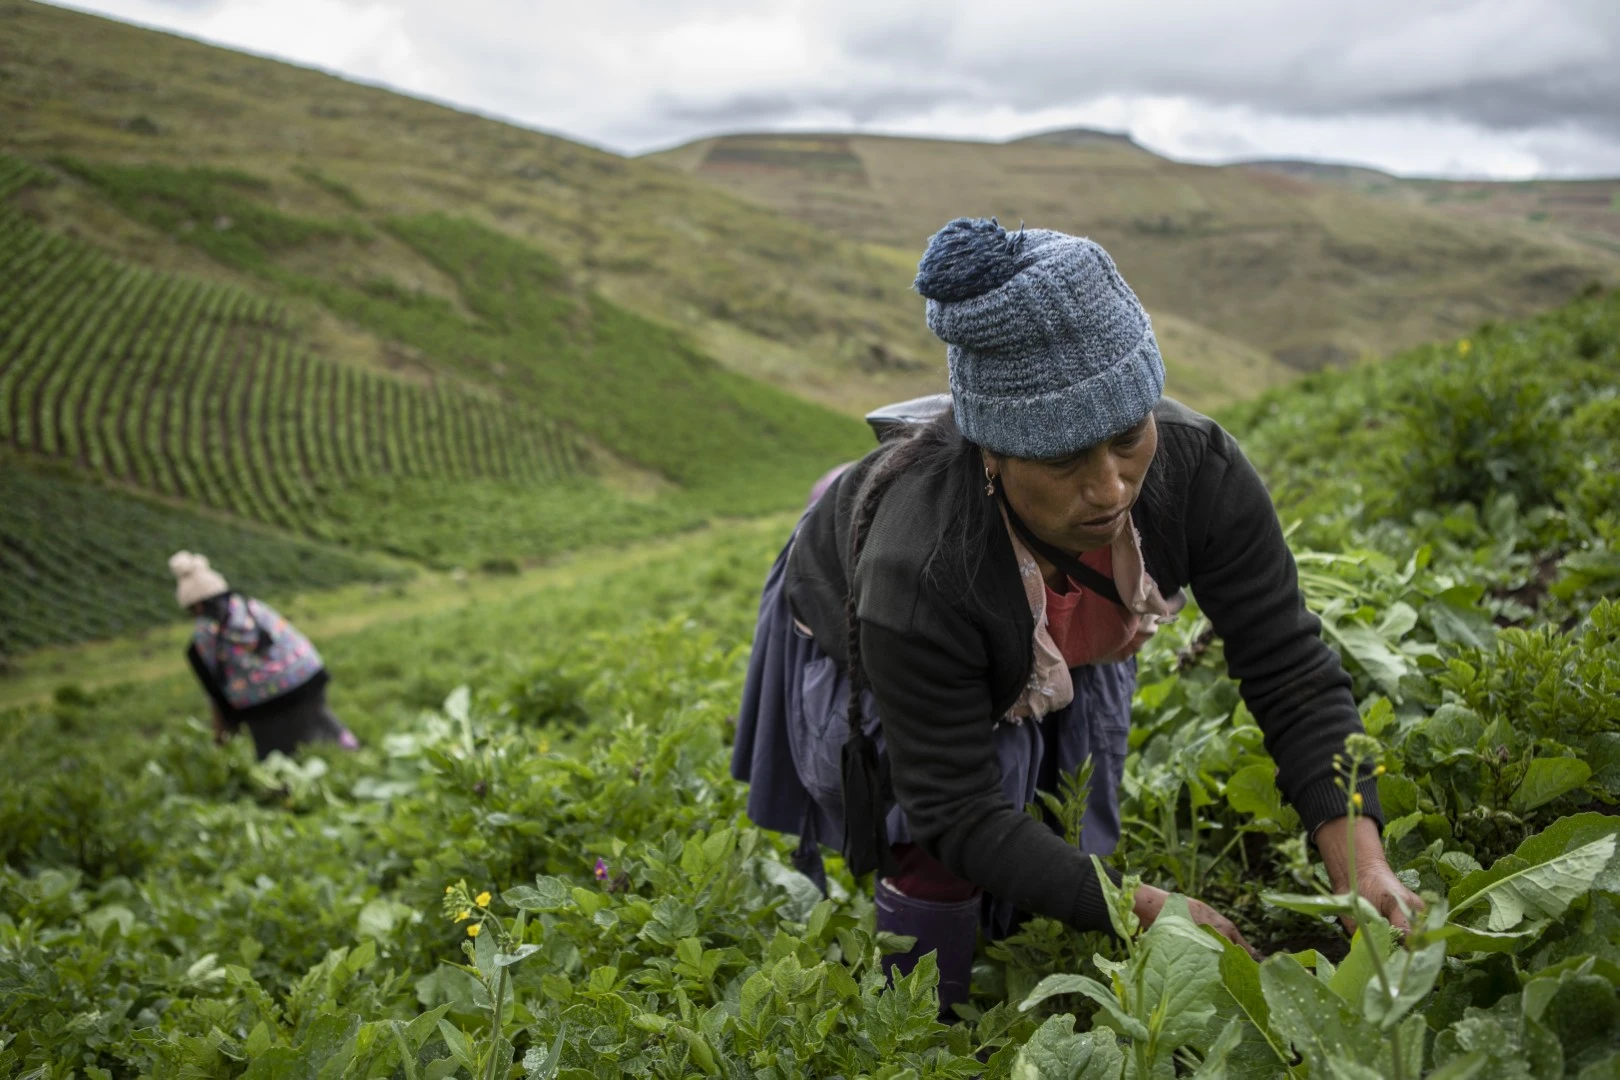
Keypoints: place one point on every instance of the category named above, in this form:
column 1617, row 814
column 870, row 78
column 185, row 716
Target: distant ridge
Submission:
column 1081, row 136
column 1253, row 273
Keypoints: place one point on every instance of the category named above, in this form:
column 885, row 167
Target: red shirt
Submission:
column 1085, row 626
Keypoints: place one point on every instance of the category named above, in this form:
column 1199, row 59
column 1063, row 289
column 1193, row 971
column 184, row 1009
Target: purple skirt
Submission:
column 791, row 729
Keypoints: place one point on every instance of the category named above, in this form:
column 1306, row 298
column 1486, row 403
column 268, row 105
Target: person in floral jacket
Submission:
column 255, row 667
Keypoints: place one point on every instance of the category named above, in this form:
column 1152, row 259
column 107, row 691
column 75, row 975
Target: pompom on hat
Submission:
column 1049, row 350
column 195, row 580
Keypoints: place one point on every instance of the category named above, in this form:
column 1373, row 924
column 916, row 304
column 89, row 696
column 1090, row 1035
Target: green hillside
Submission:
column 1286, row 275
column 764, row 295
column 533, row 415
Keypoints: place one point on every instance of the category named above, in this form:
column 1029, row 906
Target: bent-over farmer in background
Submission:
column 255, row 667
column 983, row 580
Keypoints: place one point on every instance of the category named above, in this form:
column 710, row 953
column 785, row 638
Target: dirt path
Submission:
column 157, row 653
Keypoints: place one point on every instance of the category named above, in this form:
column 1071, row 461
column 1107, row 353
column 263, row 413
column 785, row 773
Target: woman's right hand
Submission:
column 1150, row 901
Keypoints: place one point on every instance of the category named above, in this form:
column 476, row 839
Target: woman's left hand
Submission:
column 1375, row 881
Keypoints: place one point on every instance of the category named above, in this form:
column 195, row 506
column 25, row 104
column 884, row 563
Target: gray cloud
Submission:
column 1491, row 86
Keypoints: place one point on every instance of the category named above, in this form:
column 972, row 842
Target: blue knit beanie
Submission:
column 1048, row 348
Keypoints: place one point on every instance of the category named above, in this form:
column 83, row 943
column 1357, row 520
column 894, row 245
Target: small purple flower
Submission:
column 601, row 870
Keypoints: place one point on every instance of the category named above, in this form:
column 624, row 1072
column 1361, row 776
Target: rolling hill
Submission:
column 1258, row 264
column 1586, row 211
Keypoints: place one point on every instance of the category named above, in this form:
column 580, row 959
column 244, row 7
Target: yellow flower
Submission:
column 464, row 915
column 1355, row 800
column 1463, row 346
column 472, row 931
column 448, row 889
column 482, row 899
column 1379, row 771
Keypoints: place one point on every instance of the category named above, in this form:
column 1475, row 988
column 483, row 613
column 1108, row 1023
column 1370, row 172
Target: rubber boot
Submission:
column 948, row 929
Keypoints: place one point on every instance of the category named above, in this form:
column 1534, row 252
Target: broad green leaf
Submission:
column 503, row 959
column 1057, row 1052
column 418, row 1031
column 537, row 1066
column 1411, row 974
column 484, row 950
column 1240, row 975
column 1053, row 985
column 1356, row 970
column 458, row 705
column 1371, row 651
column 1466, row 1067
column 1316, row 1021
column 110, row 915
column 460, row 1049
column 546, row 894
column 379, row 917
column 407, row 1052
column 1252, row 791
column 1398, row 795
column 1545, row 779
column 1457, row 618
column 1466, row 939
column 1215, row 1063
column 1535, row 891
column 1180, row 977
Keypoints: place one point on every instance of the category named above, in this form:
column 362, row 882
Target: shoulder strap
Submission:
column 1078, row 571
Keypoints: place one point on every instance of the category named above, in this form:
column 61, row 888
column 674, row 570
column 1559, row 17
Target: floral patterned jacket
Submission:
column 254, row 655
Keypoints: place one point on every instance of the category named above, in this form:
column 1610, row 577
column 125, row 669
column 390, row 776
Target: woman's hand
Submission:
column 1375, row 881
column 1150, row 901
column 221, row 733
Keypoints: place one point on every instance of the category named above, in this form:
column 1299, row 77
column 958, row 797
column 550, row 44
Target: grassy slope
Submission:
column 1587, row 211
column 1296, row 272
column 762, row 293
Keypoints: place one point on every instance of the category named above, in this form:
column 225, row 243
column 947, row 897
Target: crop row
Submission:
column 79, row 561
column 197, row 391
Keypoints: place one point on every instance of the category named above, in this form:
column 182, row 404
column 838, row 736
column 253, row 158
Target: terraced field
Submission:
column 532, row 417
column 81, row 561
column 197, row 391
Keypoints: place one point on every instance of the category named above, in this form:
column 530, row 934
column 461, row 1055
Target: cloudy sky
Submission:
column 1502, row 88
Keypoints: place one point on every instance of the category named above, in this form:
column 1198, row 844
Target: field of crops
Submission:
column 549, row 875
column 525, row 330
column 196, row 391
column 81, row 561
column 205, row 394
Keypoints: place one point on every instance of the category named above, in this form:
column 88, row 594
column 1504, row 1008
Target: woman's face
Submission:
column 1081, row 502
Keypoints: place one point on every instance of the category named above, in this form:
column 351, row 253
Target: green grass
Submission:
column 81, row 561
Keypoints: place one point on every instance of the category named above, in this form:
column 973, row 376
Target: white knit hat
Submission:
column 195, row 579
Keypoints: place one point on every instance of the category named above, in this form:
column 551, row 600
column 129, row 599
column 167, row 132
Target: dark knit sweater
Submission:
column 947, row 656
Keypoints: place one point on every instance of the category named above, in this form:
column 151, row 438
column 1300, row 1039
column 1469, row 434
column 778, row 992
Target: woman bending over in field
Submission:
column 988, row 576
column 255, row 667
